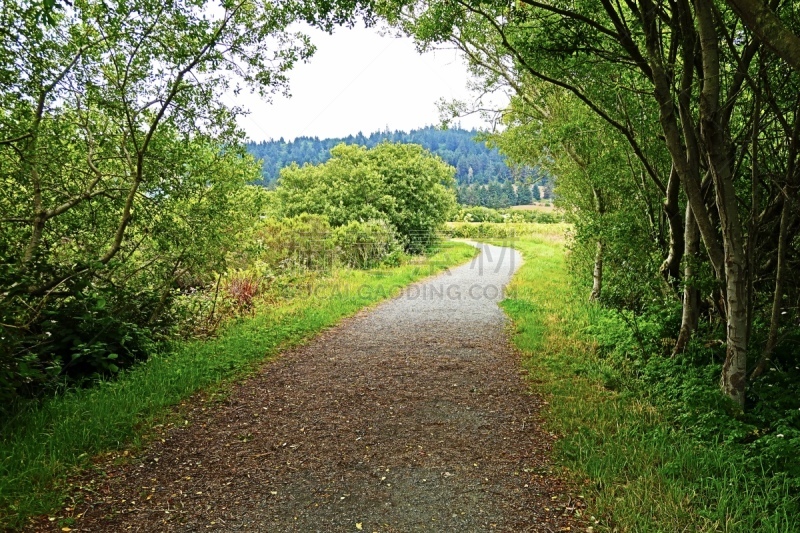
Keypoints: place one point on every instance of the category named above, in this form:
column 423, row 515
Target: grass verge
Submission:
column 47, row 442
column 639, row 469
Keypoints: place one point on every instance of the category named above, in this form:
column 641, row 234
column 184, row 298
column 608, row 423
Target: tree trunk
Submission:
column 691, row 296
column 714, row 135
column 777, row 298
column 597, row 273
column 671, row 267
column 734, row 371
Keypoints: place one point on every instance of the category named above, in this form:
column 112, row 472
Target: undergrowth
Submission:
column 45, row 442
column 652, row 442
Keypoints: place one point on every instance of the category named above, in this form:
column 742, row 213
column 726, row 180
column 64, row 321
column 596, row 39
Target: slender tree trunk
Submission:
column 787, row 220
column 734, row 371
column 671, row 267
column 691, row 296
column 597, row 273
column 777, row 298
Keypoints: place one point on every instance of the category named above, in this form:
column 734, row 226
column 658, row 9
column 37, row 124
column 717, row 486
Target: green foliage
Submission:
column 273, row 246
column 482, row 230
column 121, row 176
column 500, row 195
column 366, row 244
column 608, row 97
column 506, row 230
column 120, row 308
column 661, row 448
column 402, row 184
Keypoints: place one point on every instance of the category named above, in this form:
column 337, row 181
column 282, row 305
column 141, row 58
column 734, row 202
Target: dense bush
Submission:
column 122, row 174
column 275, row 245
column 277, row 258
column 365, row 244
column 403, row 185
column 67, row 316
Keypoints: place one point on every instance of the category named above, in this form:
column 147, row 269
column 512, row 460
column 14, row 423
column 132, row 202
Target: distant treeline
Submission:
column 500, row 195
column 475, row 163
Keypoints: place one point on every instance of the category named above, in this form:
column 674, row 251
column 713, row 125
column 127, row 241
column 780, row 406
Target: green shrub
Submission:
column 365, row 244
column 277, row 245
column 477, row 214
column 402, row 184
column 85, row 336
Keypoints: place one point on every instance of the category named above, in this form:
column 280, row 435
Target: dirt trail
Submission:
column 412, row 416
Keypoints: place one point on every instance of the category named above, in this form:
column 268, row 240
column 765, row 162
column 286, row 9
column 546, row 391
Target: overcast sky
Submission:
column 359, row 80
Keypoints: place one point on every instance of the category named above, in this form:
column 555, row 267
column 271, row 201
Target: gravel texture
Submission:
column 411, row 416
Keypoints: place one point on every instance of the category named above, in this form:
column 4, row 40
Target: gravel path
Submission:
column 411, row 416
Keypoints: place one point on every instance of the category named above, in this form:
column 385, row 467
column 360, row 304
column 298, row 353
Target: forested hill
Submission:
column 475, row 163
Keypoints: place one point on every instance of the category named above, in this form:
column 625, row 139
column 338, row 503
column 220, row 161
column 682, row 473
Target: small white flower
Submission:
column 779, row 435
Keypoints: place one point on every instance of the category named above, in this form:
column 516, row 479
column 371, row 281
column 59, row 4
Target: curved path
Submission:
column 411, row 416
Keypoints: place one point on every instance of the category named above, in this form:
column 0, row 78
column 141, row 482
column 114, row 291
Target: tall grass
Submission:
column 639, row 470
column 47, row 442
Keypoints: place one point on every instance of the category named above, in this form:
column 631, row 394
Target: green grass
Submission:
column 47, row 442
column 637, row 468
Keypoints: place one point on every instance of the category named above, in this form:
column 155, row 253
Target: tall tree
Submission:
column 686, row 68
column 119, row 166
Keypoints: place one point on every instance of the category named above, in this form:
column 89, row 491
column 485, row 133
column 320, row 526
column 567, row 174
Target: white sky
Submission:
column 359, row 80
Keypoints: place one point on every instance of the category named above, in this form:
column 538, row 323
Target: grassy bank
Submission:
column 640, row 466
column 47, row 442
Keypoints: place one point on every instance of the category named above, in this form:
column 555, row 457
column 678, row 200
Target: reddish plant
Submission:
column 242, row 290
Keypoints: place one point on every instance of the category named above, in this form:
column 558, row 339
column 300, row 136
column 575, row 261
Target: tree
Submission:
column 119, row 166
column 402, row 184
column 524, row 196
column 682, row 79
column 596, row 190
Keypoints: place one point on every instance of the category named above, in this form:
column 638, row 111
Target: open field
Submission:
column 543, row 207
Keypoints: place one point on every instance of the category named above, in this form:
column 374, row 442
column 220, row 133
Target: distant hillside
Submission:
column 474, row 162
